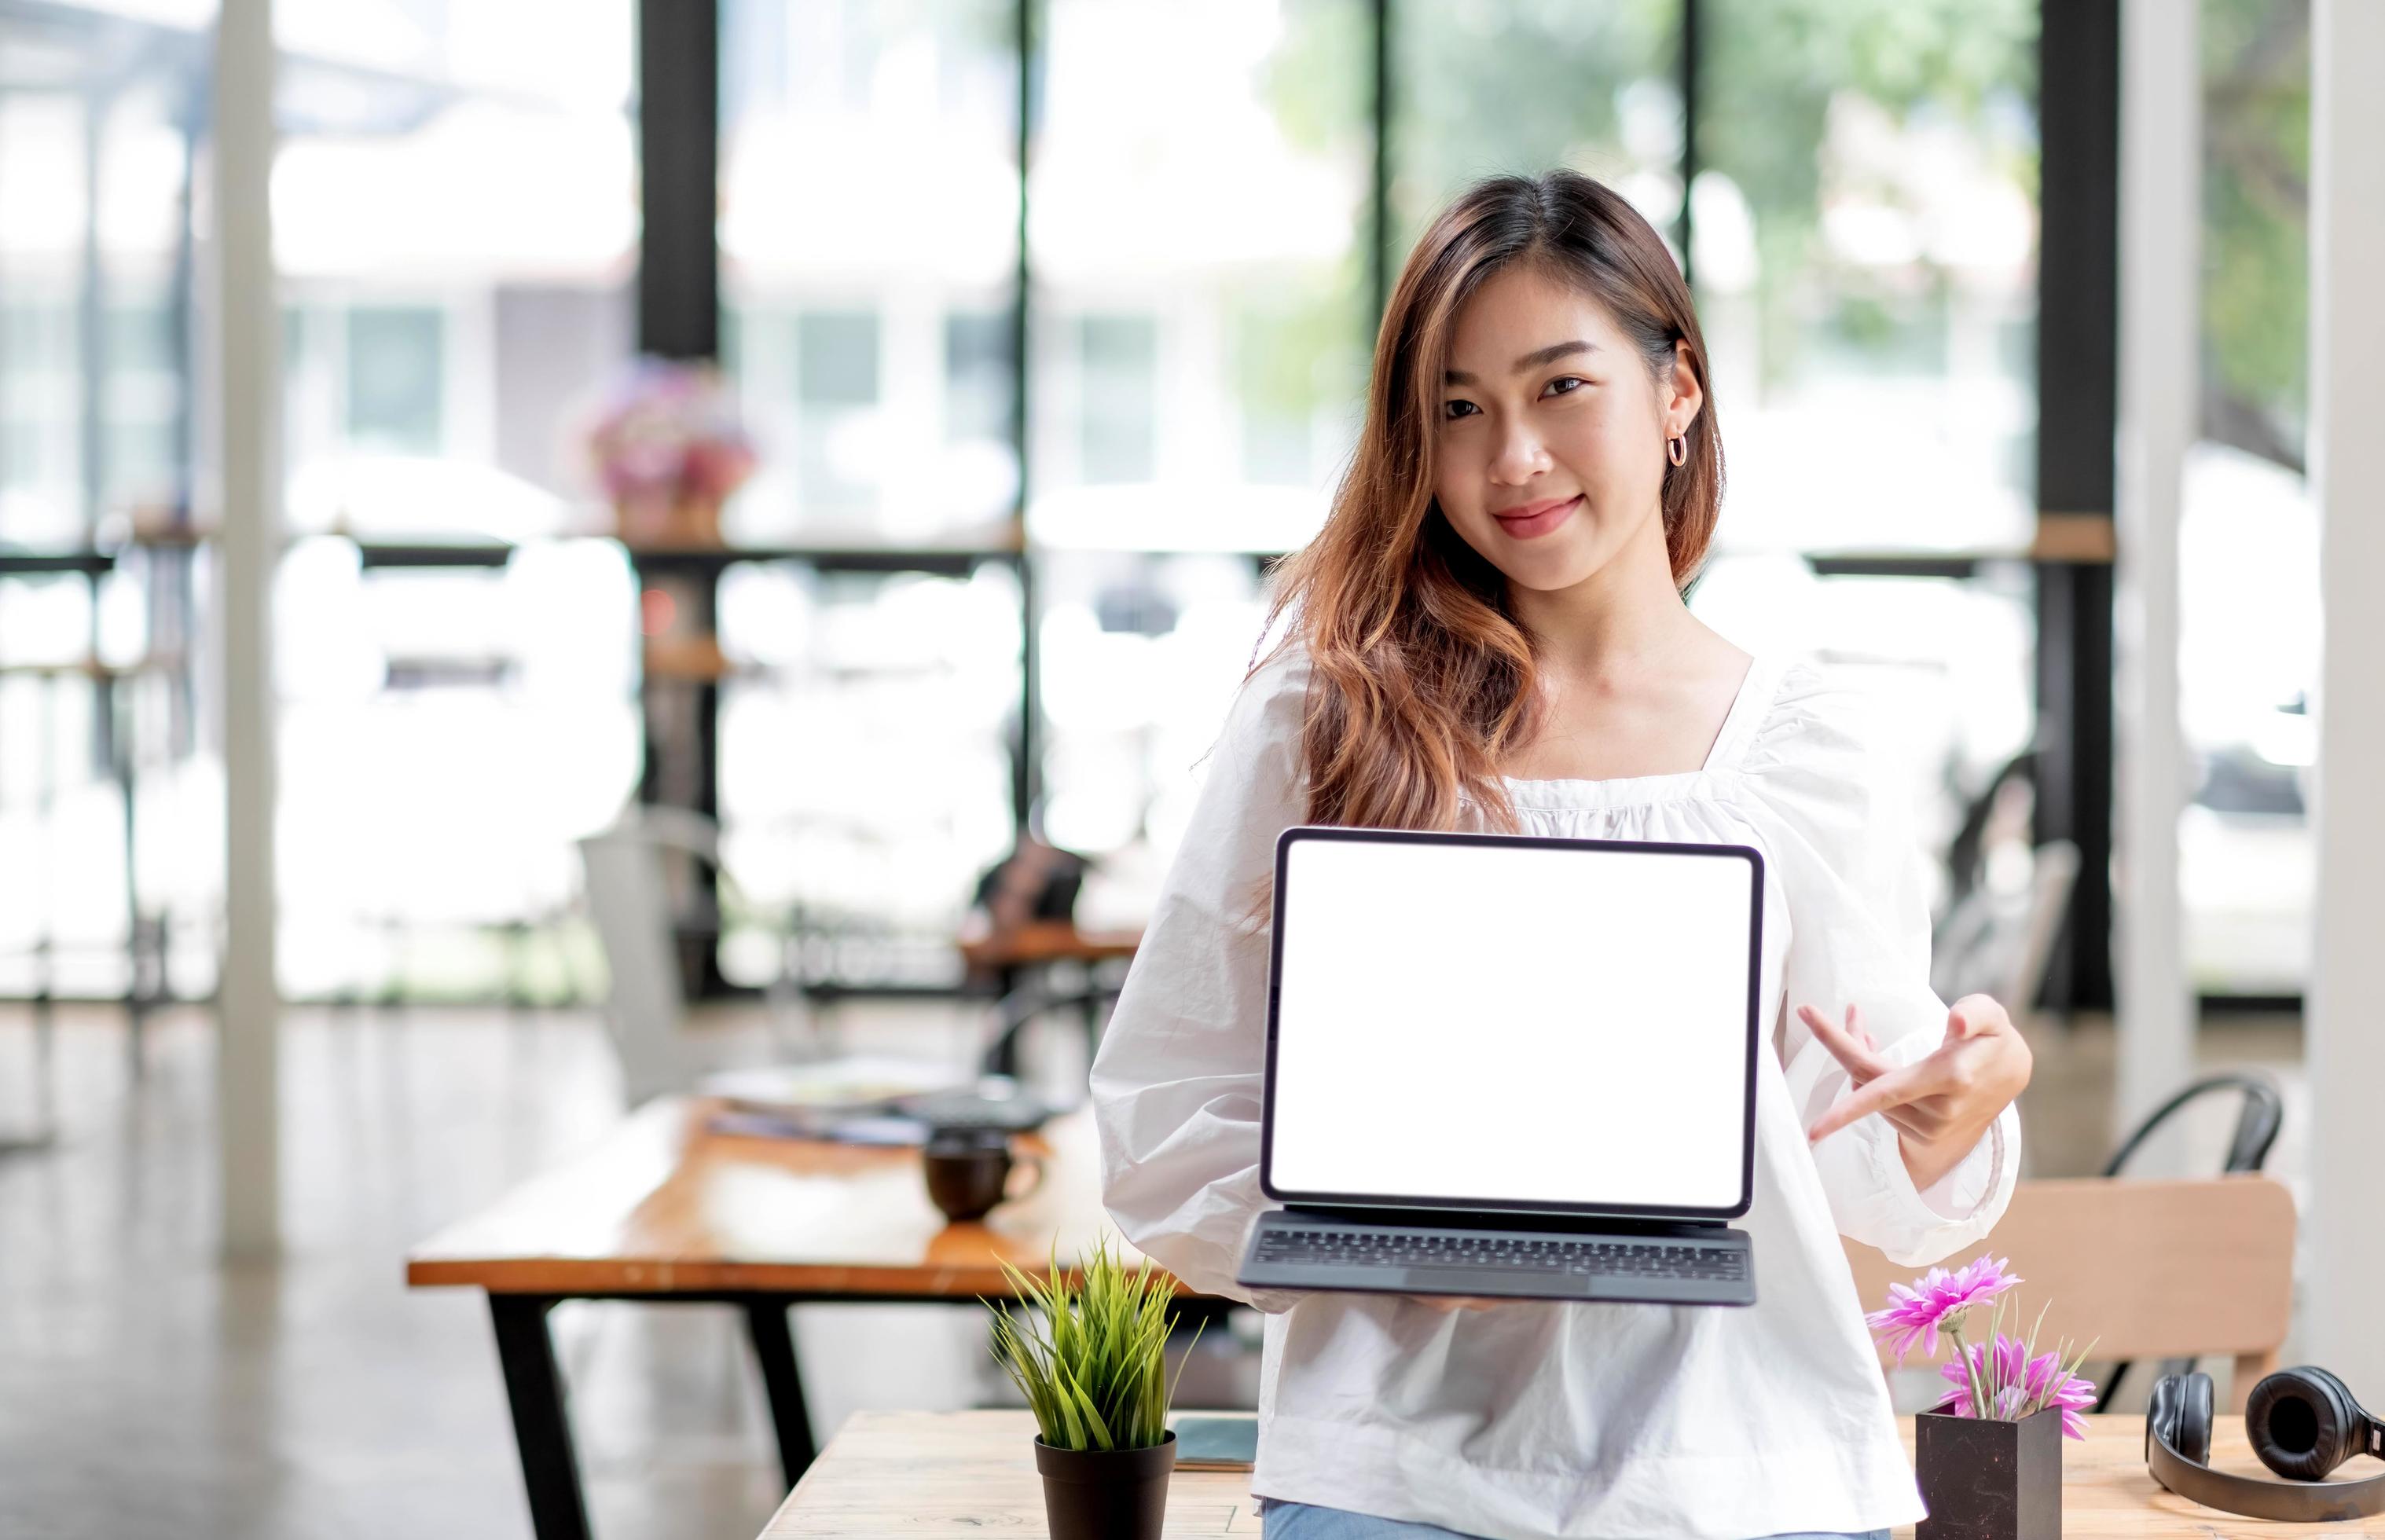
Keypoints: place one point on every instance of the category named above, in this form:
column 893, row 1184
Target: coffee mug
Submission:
column 969, row 1172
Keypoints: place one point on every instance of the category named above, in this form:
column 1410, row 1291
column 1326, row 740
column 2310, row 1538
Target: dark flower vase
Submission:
column 1105, row 1493
column 1986, row 1480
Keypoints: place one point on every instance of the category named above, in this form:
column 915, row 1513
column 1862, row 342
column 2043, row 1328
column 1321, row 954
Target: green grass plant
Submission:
column 1096, row 1373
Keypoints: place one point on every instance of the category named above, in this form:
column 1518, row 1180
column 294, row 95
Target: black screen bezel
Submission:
column 1291, row 836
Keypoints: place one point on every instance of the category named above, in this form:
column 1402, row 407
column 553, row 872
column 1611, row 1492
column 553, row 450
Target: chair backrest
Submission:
column 628, row 895
column 2145, row 1269
column 2258, row 1120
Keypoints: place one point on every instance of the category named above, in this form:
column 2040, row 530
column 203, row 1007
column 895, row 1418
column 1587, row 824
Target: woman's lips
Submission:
column 1524, row 527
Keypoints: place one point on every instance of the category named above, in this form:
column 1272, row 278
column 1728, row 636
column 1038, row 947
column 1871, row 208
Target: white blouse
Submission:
column 1534, row 1420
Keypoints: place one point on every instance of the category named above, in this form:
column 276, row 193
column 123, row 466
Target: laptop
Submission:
column 1510, row 1066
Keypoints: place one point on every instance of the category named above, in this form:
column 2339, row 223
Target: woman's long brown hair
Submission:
column 1422, row 679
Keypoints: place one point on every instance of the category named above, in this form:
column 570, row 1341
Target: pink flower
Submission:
column 2014, row 1388
column 667, row 430
column 1917, row 1310
column 2049, row 1386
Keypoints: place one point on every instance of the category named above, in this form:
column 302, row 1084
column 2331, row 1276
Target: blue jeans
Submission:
column 1300, row 1521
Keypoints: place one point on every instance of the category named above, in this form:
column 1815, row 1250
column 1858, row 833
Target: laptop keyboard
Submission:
column 1553, row 1254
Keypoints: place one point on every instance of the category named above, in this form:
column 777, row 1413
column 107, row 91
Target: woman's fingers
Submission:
column 1975, row 1014
column 1890, row 1090
column 1858, row 1054
column 1917, row 1119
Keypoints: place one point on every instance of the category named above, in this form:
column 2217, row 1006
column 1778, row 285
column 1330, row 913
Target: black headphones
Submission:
column 2302, row 1423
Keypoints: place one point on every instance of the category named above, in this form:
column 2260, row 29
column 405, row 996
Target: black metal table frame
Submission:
column 536, row 1393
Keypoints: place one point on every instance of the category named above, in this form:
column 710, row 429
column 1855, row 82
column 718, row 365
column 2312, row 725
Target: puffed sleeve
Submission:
column 1838, row 819
column 1176, row 1082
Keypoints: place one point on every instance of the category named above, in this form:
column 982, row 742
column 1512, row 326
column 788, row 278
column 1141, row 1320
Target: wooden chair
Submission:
column 2263, row 1112
column 2152, row 1268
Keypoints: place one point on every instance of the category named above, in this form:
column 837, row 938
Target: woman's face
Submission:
column 1550, row 450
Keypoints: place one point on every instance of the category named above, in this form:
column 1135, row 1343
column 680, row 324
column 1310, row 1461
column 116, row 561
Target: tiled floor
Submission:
column 147, row 1389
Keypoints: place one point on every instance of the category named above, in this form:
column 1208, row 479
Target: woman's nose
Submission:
column 1519, row 456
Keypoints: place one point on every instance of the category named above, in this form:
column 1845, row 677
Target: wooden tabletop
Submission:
column 913, row 1474
column 664, row 1205
column 1046, row 941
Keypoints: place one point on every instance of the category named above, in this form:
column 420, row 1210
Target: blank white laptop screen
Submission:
column 1512, row 1020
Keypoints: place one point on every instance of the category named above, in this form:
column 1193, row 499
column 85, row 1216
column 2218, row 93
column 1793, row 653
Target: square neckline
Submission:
column 1756, row 689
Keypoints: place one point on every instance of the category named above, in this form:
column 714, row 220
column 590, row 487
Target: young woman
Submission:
column 1490, row 633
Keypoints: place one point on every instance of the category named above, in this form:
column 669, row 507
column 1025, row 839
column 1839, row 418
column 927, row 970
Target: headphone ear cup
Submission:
column 2303, row 1422
column 2193, row 1438
column 2161, row 1414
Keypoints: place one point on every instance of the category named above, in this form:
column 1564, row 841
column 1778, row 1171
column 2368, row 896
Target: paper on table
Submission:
column 835, row 1083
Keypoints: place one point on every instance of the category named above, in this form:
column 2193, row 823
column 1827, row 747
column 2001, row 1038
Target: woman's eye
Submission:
column 1566, row 380
column 1455, row 409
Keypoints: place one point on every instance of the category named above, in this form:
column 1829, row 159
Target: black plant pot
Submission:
column 1105, row 1493
column 1986, row 1480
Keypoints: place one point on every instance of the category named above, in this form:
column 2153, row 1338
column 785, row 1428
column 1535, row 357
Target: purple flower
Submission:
column 1917, row 1310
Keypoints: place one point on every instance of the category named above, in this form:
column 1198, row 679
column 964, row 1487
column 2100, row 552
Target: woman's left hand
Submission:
column 1941, row 1106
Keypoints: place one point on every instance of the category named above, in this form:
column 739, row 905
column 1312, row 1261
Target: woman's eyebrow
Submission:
column 1549, row 354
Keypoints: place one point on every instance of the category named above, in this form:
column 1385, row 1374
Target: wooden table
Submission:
column 1015, row 960
column 918, row 1474
column 666, row 1210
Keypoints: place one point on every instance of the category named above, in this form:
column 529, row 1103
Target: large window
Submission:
column 98, row 731
column 1865, row 261
column 1196, row 237
column 865, row 765
column 1863, row 249
column 1201, row 264
column 455, row 228
column 1522, row 86
column 1085, row 405
column 867, row 735
column 868, row 235
column 2248, row 546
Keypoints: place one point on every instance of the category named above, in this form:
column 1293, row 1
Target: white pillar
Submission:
column 248, row 393
column 2161, row 83
column 2345, row 1047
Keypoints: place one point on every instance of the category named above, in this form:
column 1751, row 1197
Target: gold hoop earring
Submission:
column 1677, row 449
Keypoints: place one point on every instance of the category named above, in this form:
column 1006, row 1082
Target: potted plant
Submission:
column 667, row 448
column 1095, row 1376
column 1989, row 1455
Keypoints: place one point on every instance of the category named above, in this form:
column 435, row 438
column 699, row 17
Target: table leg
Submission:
column 542, row 1428
column 782, row 1382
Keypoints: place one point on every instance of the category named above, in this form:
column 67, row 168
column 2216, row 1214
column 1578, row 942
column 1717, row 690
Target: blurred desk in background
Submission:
column 1043, row 942
column 667, row 1211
